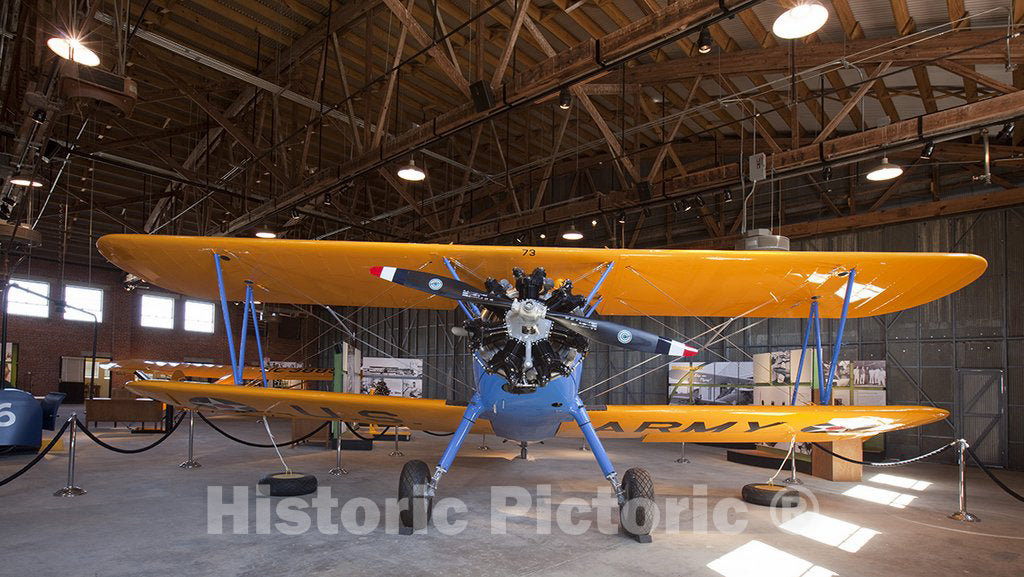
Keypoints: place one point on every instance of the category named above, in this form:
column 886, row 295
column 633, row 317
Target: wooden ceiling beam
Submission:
column 806, row 158
column 775, row 60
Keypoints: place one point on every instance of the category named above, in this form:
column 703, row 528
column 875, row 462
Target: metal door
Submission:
column 981, row 413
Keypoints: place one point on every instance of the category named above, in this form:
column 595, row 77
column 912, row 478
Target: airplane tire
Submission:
column 768, row 495
column 286, row 484
column 414, row 504
column 637, row 514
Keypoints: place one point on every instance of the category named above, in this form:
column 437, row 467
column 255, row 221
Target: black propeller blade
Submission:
column 618, row 335
column 438, row 285
column 601, row 331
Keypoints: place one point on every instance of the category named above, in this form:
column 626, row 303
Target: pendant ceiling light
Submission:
column 266, row 234
column 564, row 99
column 704, row 41
column 572, row 233
column 885, row 171
column 28, row 180
column 411, row 172
column 801, row 19
column 71, row 48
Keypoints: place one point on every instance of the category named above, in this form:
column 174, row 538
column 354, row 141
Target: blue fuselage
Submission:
column 527, row 416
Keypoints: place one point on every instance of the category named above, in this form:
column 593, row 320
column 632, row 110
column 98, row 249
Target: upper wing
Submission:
column 753, row 423
column 177, row 371
column 669, row 423
column 641, row 282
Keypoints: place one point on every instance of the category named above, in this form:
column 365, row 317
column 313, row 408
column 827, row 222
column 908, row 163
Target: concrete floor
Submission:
column 145, row 516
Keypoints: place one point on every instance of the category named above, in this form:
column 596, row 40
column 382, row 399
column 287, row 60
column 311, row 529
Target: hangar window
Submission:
column 86, row 299
column 157, row 312
column 199, row 316
column 29, row 298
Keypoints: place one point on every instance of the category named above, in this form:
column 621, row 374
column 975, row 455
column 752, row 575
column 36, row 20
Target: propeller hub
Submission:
column 525, row 321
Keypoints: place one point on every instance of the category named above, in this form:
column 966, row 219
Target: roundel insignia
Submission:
column 435, row 284
column 624, row 336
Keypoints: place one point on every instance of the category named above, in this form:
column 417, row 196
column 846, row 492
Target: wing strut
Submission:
column 824, row 387
column 249, row 306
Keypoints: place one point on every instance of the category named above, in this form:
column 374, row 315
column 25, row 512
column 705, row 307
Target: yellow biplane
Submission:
column 529, row 335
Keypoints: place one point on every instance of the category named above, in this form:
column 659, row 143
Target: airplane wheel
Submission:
column 414, row 504
column 768, row 495
column 286, row 484
column 637, row 514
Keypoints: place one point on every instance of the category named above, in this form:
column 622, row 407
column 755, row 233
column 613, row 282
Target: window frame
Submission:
column 84, row 317
column 213, row 317
column 15, row 283
column 143, row 316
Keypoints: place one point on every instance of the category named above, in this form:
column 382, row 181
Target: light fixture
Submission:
column 411, row 172
column 70, row 48
column 802, row 19
column 700, row 200
column 621, row 218
column 929, row 148
column 542, row 235
column 1006, row 132
column 704, row 41
column 593, row 222
column 564, row 99
column 687, row 206
column 826, row 172
column 264, row 233
column 26, row 179
column 676, row 207
column 572, row 233
column 728, row 196
column 885, row 171
column 327, row 199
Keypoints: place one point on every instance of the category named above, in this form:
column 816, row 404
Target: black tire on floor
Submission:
column 414, row 504
column 637, row 514
column 286, row 484
column 768, row 495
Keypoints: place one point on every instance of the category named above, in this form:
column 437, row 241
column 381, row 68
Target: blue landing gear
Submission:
column 416, row 488
column 636, row 492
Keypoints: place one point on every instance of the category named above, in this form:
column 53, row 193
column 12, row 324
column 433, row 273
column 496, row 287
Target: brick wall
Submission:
column 42, row 342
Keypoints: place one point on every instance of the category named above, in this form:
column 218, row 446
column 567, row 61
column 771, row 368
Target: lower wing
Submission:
column 652, row 423
column 754, row 423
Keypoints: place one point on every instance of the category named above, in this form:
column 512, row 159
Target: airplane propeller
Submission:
column 606, row 332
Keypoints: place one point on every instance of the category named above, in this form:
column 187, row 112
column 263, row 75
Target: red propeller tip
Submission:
column 376, row 270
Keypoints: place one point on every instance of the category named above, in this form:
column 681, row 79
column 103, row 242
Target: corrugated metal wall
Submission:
column 980, row 327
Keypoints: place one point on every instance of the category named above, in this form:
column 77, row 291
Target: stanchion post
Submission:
column 483, row 443
column 338, row 470
column 682, row 454
column 71, row 490
column 396, row 452
column 191, row 463
column 583, row 444
column 962, row 514
column 792, row 480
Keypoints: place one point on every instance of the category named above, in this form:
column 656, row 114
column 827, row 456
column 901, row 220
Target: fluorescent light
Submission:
column 572, row 233
column 72, row 49
column 885, row 171
column 804, row 19
column 266, row 234
column 411, row 172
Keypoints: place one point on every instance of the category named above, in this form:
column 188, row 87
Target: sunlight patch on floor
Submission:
column 757, row 559
column 830, row 531
column 880, row 496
